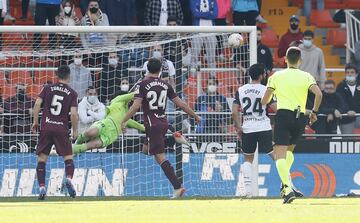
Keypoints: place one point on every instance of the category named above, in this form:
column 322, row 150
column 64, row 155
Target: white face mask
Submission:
column 307, row 43
column 212, row 88
column 113, row 61
column 350, row 79
column 67, row 9
column 124, row 87
column 78, row 61
column 157, row 54
column 92, row 99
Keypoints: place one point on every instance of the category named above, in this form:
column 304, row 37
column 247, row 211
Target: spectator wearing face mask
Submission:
column 332, row 106
column 90, row 109
column 349, row 89
column 80, row 76
column 110, row 78
column 67, row 17
column 292, row 37
column 212, row 101
column 312, row 58
column 167, row 69
column 21, row 106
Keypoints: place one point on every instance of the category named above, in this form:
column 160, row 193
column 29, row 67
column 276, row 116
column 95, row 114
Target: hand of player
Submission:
column 313, row 118
column 34, row 128
column 239, row 131
column 75, row 135
column 123, row 127
column 197, row 119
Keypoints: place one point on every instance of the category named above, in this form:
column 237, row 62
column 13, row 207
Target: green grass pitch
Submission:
column 200, row 210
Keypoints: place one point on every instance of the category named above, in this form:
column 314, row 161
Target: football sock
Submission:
column 81, row 139
column 170, row 174
column 69, row 168
column 289, row 159
column 41, row 173
column 79, row 148
column 283, row 172
column 247, row 178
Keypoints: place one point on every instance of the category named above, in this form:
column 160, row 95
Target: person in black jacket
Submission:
column 349, row 89
column 331, row 107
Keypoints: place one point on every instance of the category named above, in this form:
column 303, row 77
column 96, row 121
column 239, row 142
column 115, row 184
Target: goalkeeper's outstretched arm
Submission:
column 181, row 104
column 132, row 110
column 135, row 125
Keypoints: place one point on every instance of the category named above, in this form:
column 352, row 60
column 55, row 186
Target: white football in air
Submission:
column 235, row 40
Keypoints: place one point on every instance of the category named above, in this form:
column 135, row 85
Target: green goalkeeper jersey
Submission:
column 117, row 110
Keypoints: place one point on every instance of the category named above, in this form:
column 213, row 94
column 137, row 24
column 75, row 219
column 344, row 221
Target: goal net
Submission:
column 197, row 61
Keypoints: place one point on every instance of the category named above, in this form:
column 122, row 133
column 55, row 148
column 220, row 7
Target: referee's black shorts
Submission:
column 288, row 129
column 263, row 139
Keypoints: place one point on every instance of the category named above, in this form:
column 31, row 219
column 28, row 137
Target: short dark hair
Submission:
column 293, row 55
column 92, row 87
column 172, row 19
column 329, row 82
column 351, row 66
column 154, row 65
column 309, row 33
column 63, row 72
column 256, row 70
column 258, row 28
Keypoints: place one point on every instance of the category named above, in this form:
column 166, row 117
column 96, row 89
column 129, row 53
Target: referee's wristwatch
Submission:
column 314, row 112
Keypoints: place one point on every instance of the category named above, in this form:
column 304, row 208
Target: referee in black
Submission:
column 290, row 87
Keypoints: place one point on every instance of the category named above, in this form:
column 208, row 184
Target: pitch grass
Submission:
column 336, row 210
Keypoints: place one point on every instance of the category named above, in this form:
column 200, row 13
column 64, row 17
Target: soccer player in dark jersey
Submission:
column 57, row 101
column 151, row 94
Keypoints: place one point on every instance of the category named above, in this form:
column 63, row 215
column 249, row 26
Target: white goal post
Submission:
column 200, row 57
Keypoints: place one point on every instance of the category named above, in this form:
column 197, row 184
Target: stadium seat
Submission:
column 277, row 61
column 2, row 79
column 43, row 77
column 20, row 77
column 335, row 4
column 8, row 91
column 34, row 90
column 336, row 37
column 322, row 19
column 269, row 38
column 352, row 4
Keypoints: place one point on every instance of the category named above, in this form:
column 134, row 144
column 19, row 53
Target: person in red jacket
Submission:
column 292, row 37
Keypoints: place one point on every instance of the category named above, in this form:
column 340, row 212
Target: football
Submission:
column 235, row 40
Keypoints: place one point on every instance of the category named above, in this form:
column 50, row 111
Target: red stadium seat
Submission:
column 34, row 90
column 269, row 38
column 43, row 77
column 352, row 4
column 20, row 77
column 336, row 37
column 322, row 19
column 278, row 62
column 8, row 91
column 335, row 4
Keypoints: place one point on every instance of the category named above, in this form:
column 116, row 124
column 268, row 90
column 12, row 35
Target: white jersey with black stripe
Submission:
column 249, row 98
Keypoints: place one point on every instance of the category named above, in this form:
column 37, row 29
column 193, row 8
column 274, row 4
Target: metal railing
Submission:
column 352, row 32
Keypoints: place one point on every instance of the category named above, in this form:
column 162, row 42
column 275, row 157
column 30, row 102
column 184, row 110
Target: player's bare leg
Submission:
column 87, row 135
column 170, row 174
column 69, row 172
column 41, row 174
column 247, row 171
column 92, row 144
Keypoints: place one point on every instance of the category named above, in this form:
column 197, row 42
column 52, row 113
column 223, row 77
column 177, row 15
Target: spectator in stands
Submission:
column 80, row 76
column 212, row 101
column 292, row 37
column 157, row 12
column 140, row 6
column 312, row 58
column 356, row 56
column 320, row 5
column 21, row 104
column 332, row 106
column 94, row 17
column 24, row 9
column 46, row 10
column 245, row 12
column 3, row 11
column 259, row 18
column 224, row 6
column 84, row 4
column 110, row 77
column 204, row 14
column 67, row 17
column 90, row 109
column 167, row 69
column 119, row 12
column 170, row 106
column 349, row 89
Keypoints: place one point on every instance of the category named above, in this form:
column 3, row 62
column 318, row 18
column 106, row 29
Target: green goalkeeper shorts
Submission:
column 107, row 131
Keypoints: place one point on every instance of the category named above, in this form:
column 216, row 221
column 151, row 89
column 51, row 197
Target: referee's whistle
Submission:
column 298, row 112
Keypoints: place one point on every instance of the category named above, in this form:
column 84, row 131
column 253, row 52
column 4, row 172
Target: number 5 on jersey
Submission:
column 56, row 105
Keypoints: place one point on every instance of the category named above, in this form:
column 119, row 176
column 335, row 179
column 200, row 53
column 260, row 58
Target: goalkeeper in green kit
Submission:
column 104, row 132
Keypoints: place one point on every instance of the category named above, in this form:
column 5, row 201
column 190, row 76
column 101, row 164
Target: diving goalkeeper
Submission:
column 104, row 132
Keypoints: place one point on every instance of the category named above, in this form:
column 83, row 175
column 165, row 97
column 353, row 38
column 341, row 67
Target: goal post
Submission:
column 199, row 59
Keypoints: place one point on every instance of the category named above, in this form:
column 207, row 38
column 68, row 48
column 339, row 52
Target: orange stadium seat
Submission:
column 352, row 4
column 269, row 38
column 322, row 19
column 34, row 90
column 278, row 61
column 20, row 77
column 8, row 91
column 336, row 37
column 335, row 4
column 43, row 77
